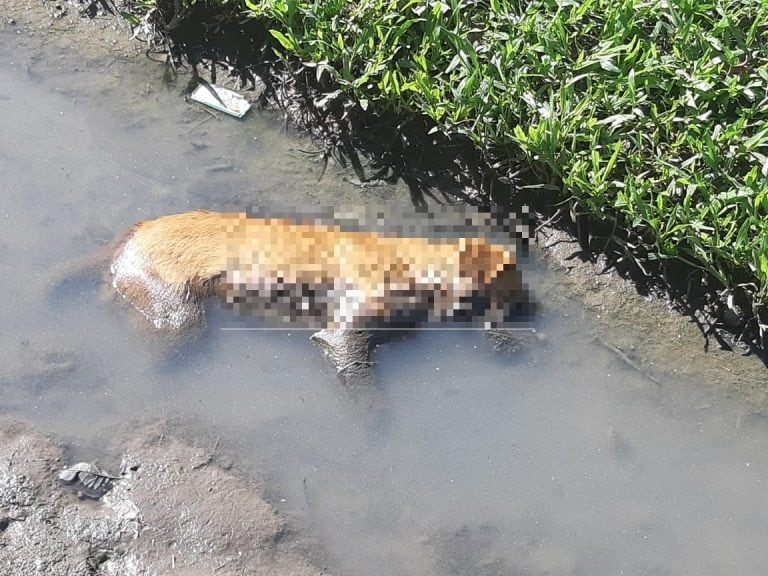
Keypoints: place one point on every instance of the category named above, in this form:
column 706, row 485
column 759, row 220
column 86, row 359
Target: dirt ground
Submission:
column 62, row 20
column 177, row 510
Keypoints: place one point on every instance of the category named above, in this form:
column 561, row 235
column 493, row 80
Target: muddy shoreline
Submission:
column 178, row 508
column 624, row 318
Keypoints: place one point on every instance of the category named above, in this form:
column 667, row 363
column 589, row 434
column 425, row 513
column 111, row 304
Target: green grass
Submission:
column 651, row 115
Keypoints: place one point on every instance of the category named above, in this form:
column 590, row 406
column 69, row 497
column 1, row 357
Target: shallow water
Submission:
column 559, row 459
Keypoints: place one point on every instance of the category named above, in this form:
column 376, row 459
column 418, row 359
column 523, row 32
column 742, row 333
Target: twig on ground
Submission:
column 626, row 359
column 208, row 458
column 549, row 221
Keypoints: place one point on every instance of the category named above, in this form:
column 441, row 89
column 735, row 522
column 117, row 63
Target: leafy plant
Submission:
column 653, row 114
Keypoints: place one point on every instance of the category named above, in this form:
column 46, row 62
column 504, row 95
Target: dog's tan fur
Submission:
column 164, row 267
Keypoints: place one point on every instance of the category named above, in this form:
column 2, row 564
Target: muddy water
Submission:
column 558, row 459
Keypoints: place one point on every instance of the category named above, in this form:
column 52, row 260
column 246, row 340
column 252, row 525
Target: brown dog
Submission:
column 311, row 274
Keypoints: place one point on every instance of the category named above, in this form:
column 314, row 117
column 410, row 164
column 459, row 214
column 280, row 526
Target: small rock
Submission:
column 10, row 21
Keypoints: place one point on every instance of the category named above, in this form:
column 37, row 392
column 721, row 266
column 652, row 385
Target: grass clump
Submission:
column 651, row 114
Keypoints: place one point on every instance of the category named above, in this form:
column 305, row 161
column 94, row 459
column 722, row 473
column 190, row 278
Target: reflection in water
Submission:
column 558, row 459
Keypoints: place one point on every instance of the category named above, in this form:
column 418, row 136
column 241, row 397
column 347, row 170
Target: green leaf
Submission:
column 287, row 43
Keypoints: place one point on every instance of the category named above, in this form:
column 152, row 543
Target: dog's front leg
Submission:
column 349, row 352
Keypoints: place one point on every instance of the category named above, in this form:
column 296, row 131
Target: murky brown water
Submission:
column 558, row 460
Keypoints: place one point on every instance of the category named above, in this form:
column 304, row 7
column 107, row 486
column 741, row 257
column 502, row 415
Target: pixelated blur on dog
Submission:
column 353, row 268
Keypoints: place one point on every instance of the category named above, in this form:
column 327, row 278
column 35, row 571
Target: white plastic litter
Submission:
column 221, row 99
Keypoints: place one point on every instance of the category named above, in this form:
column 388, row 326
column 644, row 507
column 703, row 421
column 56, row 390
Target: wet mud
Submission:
column 647, row 333
column 176, row 509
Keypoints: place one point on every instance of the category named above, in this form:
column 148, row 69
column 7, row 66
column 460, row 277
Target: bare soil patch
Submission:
column 177, row 509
